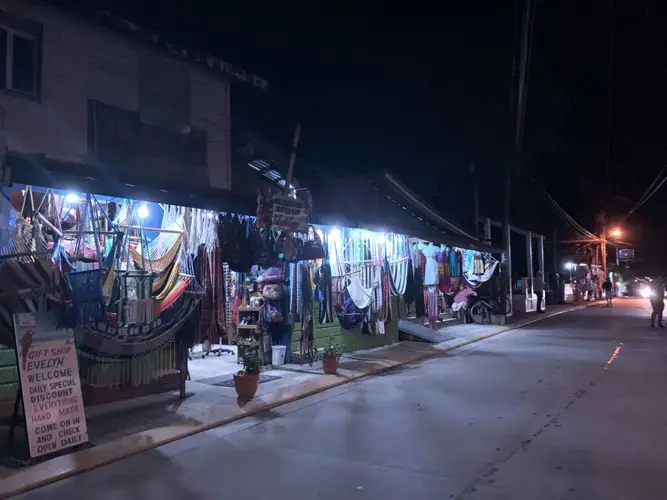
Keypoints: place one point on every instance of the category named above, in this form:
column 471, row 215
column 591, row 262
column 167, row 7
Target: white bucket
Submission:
column 278, row 354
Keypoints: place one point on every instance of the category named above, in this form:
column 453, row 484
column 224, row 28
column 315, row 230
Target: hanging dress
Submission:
column 307, row 340
column 420, row 310
column 431, row 252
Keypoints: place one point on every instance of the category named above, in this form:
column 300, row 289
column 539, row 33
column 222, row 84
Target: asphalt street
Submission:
column 573, row 407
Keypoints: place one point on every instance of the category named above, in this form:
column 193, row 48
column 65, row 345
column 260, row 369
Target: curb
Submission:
column 79, row 458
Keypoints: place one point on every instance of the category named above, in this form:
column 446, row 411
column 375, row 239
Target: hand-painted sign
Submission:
column 289, row 214
column 50, row 386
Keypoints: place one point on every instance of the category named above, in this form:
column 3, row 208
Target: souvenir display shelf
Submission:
column 250, row 327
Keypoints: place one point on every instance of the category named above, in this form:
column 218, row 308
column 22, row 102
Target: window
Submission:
column 19, row 62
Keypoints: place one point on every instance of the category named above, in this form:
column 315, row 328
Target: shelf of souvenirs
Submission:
column 251, row 309
column 247, row 327
column 250, row 317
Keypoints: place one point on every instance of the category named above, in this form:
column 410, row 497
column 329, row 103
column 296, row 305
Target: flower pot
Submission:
column 246, row 385
column 330, row 364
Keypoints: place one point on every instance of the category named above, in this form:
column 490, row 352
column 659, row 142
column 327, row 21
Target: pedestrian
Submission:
column 608, row 289
column 657, row 302
column 538, row 287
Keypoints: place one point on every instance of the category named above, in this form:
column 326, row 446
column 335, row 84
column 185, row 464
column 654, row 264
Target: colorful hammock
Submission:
column 157, row 264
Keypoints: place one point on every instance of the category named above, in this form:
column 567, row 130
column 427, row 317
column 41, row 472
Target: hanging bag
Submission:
column 313, row 249
column 272, row 313
column 274, row 274
column 288, row 247
column 273, row 291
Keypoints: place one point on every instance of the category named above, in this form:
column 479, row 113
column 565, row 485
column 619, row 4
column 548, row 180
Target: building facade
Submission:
column 73, row 91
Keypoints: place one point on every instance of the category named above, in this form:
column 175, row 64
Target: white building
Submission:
column 100, row 98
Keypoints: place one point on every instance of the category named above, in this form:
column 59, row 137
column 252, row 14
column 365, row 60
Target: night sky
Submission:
column 424, row 94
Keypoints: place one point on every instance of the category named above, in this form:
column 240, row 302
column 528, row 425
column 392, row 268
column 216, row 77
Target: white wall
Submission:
column 81, row 61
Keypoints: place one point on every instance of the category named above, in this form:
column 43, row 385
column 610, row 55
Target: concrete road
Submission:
column 573, row 407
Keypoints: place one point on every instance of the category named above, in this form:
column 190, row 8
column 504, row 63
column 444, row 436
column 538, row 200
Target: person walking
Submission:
column 538, row 287
column 608, row 289
column 657, row 302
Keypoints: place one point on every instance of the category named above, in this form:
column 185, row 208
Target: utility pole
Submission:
column 475, row 200
column 518, row 102
column 602, row 220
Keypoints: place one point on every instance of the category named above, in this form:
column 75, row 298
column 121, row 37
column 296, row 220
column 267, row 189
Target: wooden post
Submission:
column 292, row 158
column 184, row 374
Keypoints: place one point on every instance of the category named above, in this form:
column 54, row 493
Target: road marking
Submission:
column 613, row 357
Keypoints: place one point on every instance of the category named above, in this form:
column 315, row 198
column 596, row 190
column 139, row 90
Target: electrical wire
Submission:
column 585, row 234
column 648, row 194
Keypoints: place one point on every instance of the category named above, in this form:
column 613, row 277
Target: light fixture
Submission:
column 381, row 239
column 616, row 232
column 570, row 265
column 335, row 233
column 142, row 213
column 72, row 198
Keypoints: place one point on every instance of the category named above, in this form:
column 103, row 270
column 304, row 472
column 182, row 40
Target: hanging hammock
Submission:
column 26, row 269
column 162, row 278
column 174, row 294
column 153, row 262
column 170, row 284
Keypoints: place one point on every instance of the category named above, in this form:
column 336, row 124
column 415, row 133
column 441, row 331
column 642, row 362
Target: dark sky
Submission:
column 424, row 93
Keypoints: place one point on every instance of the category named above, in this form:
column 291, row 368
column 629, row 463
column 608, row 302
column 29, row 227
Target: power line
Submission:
column 649, row 193
column 586, row 235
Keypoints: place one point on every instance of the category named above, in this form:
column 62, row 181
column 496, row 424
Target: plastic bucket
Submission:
column 278, row 354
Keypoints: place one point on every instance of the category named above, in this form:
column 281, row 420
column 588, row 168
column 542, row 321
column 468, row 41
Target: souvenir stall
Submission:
column 147, row 285
column 124, row 277
column 352, row 298
column 443, row 280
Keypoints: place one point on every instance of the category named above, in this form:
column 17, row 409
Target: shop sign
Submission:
column 289, row 214
column 50, row 385
column 626, row 254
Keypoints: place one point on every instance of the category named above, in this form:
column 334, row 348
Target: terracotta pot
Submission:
column 330, row 364
column 246, row 385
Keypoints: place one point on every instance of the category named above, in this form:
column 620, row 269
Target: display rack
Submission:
column 250, row 326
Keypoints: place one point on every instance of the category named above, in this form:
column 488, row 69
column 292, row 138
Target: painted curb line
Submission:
column 7, row 491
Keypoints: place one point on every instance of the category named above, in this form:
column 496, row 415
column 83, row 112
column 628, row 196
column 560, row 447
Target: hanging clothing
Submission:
column 410, row 285
column 432, row 301
column 445, row 280
column 420, row 310
column 459, row 263
column 323, row 284
column 306, row 343
column 430, row 251
column 453, row 263
column 478, row 263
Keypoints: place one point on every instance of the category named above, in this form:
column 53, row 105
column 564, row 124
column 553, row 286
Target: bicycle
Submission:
column 481, row 311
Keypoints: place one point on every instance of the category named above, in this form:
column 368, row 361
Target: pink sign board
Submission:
column 50, row 385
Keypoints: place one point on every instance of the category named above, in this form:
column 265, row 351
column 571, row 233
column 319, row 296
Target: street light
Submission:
column 616, row 232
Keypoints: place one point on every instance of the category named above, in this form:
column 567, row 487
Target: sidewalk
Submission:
column 164, row 419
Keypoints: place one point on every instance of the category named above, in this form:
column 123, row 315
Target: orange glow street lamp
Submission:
column 616, row 232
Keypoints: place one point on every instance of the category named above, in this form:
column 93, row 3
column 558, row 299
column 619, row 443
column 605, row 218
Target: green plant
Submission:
column 332, row 349
column 252, row 365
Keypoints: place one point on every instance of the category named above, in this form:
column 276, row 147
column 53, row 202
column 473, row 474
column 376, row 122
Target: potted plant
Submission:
column 246, row 381
column 330, row 356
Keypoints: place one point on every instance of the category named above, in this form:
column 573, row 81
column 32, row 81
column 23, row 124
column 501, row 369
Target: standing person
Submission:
column 608, row 289
column 538, row 287
column 657, row 302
